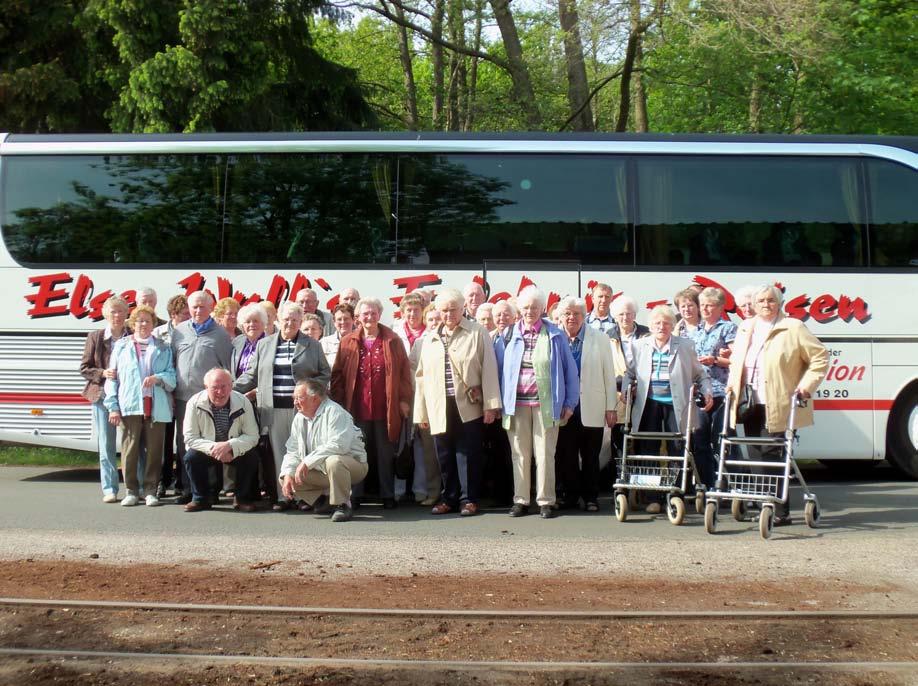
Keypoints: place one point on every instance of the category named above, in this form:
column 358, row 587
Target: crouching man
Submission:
column 220, row 428
column 325, row 451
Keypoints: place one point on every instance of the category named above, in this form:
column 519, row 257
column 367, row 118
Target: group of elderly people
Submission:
column 299, row 405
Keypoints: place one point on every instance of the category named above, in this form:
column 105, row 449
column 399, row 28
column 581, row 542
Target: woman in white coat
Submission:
column 580, row 440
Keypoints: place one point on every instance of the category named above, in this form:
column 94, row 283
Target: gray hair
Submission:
column 531, row 294
column 601, row 287
column 569, row 303
column 375, row 303
column 146, row 290
column 744, row 293
column 508, row 304
column 314, row 388
column 253, row 311
column 473, row 286
column 486, row 307
column 449, row 296
column 201, row 295
column 114, row 301
column 714, row 295
column 216, row 371
column 288, row 306
column 664, row 311
column 621, row 303
column 771, row 288
column 307, row 291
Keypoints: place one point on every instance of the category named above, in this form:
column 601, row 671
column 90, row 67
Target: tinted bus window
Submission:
column 759, row 211
column 309, row 208
column 130, row 209
column 893, row 214
column 198, row 209
column 463, row 209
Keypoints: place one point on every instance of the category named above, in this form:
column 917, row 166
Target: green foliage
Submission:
column 30, row 455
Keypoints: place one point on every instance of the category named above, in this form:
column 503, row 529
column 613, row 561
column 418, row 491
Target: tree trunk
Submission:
column 436, row 52
column 578, row 88
column 522, row 92
column 411, row 93
column 755, row 105
column 457, row 74
column 473, row 70
column 640, row 95
column 624, row 104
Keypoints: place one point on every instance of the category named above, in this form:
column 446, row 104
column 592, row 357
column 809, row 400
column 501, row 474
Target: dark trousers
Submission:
column 754, row 426
column 659, row 417
column 706, row 441
column 172, row 470
column 459, row 456
column 198, row 467
column 497, row 468
column 577, row 461
column 181, row 474
column 381, row 454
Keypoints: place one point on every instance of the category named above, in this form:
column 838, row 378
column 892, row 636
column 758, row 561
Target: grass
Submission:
column 31, row 455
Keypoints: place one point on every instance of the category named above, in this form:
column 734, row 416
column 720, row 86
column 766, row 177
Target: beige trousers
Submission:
column 529, row 436
column 341, row 472
column 136, row 431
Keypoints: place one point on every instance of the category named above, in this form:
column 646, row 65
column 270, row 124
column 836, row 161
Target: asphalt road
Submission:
column 869, row 528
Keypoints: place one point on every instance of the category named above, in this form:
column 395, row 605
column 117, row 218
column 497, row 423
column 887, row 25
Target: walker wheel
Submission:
column 710, row 516
column 766, row 521
column 675, row 510
column 621, row 507
column 738, row 510
column 699, row 502
column 811, row 513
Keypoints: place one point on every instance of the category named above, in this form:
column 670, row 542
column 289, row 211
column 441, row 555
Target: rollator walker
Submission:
column 759, row 481
column 659, row 473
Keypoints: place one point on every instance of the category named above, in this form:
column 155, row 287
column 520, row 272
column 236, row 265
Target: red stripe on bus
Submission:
column 43, row 398
column 846, row 404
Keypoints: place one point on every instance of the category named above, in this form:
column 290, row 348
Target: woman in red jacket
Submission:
column 371, row 379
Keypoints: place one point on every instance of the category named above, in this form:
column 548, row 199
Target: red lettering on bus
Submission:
column 653, row 303
column 824, row 309
column 81, row 292
column 843, row 372
column 192, row 283
column 277, row 290
column 95, row 305
column 415, row 281
column 48, row 292
column 848, row 309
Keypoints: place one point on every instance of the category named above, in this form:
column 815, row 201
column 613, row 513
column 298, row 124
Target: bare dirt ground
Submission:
column 436, row 638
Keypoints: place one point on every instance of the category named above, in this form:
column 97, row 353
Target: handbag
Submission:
column 745, row 402
column 404, row 451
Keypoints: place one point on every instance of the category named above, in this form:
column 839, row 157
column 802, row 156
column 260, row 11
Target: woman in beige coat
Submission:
column 777, row 356
column 457, row 393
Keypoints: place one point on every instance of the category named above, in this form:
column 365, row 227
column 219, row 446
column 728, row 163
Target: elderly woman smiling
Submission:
column 457, row 393
column 540, row 389
column 664, row 368
column 777, row 356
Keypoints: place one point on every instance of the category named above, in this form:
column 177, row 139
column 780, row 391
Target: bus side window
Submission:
column 892, row 190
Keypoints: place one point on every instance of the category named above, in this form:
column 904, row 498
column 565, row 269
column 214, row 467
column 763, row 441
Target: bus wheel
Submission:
column 902, row 433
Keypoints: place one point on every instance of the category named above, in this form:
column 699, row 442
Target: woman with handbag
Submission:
column 774, row 357
column 371, row 379
column 457, row 393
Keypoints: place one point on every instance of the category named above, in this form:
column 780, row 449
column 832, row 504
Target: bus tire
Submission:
column 902, row 433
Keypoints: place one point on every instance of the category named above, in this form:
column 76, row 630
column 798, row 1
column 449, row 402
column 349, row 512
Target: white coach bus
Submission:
column 833, row 220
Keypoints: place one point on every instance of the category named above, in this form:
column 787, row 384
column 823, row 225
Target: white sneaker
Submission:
column 109, row 498
column 129, row 500
column 152, row 501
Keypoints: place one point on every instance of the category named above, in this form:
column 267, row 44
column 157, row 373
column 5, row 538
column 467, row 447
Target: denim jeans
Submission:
column 108, row 461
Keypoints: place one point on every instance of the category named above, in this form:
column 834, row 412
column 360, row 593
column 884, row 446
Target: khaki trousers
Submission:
column 137, row 431
column 341, row 473
column 529, row 436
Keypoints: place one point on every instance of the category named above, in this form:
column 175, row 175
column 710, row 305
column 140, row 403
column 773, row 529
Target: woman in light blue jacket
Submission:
column 540, row 388
column 139, row 399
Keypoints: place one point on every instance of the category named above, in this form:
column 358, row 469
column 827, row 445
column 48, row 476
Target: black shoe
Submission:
column 160, row 491
column 389, row 503
column 782, row 520
column 183, row 498
column 342, row 513
column 281, row 506
column 546, row 512
column 321, row 506
column 519, row 510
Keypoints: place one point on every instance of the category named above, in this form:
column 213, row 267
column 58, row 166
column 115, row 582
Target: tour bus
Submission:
column 832, row 220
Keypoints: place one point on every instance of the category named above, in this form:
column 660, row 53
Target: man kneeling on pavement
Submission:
column 220, row 428
column 325, row 452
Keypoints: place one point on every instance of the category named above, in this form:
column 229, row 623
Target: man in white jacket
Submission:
column 325, row 451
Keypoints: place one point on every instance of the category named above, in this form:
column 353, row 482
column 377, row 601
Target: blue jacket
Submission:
column 124, row 394
column 565, row 382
